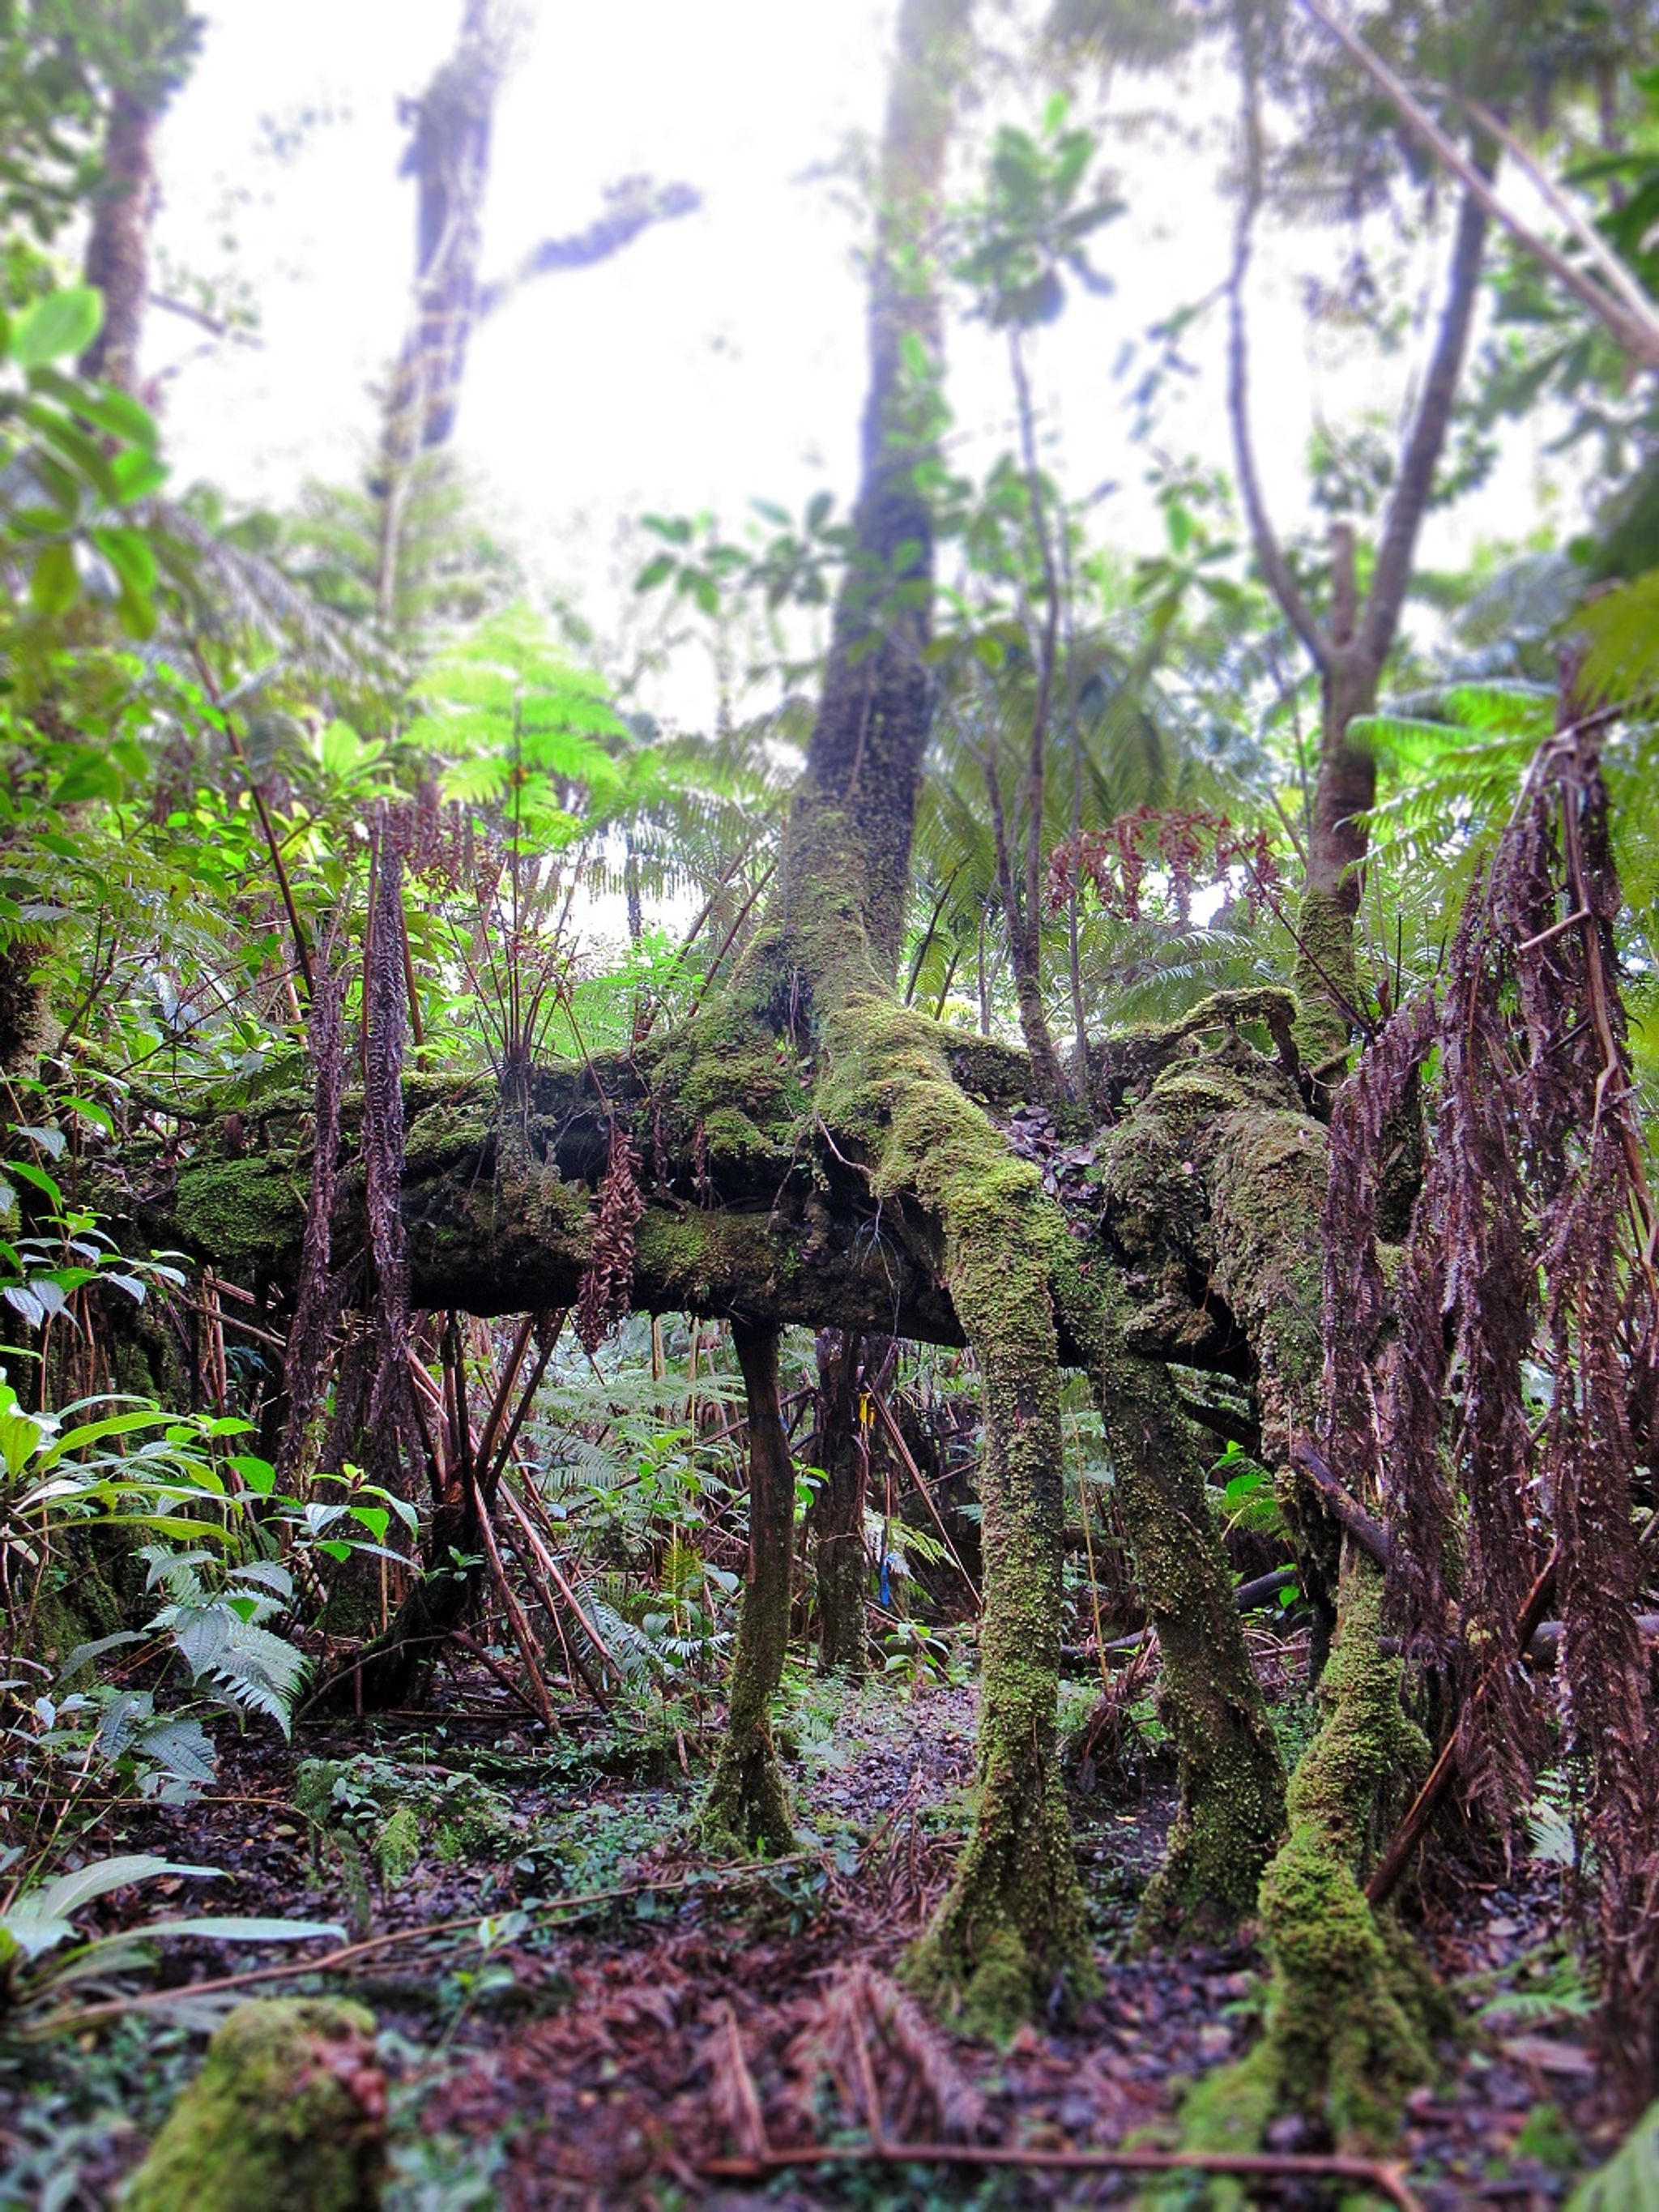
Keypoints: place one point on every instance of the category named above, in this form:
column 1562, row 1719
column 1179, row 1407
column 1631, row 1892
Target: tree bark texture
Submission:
column 841, row 1450
column 747, row 1801
column 118, row 250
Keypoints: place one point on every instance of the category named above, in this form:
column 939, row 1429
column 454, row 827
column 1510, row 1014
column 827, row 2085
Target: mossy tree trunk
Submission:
column 1011, row 1932
column 1346, row 2036
column 1231, row 1809
column 747, row 1802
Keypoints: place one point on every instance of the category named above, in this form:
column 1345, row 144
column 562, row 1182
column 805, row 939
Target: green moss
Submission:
column 726, row 1081
column 79, row 1603
column 1324, row 972
column 457, row 1126
column 992, row 1073
column 371, row 1800
column 699, row 1260
column 1011, row 1930
column 1348, row 2025
column 1265, row 1172
column 240, row 1213
column 1232, row 1782
column 287, row 2115
column 477, row 1831
column 1228, row 2111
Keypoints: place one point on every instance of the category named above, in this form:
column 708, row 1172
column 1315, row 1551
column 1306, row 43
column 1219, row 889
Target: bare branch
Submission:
column 1427, row 439
column 1270, row 555
column 1638, row 334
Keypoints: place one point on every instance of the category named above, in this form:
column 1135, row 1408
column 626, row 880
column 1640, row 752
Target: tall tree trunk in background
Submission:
column 448, row 156
column 1011, row 1931
column 863, row 762
column 1351, row 647
column 117, row 250
column 841, row 1450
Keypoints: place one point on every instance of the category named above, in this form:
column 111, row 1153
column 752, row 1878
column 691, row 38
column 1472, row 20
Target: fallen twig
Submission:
column 1388, row 2180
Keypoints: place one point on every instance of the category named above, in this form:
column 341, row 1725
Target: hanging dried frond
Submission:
column 1597, row 1236
column 1489, row 1258
column 603, row 1294
column 390, row 1420
column 320, row 1291
column 1355, row 1303
column 1531, row 1249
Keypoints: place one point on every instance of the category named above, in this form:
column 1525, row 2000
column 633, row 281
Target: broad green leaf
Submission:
column 130, row 553
column 226, row 1928
column 55, row 583
column 64, row 322
column 70, row 1892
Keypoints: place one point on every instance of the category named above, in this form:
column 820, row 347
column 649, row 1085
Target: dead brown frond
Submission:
column 731, row 2088
column 1490, row 1393
column 603, row 1294
column 320, row 1291
column 892, row 2068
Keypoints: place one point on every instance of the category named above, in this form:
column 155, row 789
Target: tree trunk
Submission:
column 117, row 250
column 448, row 156
column 841, row 1450
column 747, row 1803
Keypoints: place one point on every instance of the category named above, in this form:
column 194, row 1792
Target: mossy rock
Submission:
column 288, row 2114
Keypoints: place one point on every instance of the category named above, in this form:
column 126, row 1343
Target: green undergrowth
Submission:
column 398, row 1812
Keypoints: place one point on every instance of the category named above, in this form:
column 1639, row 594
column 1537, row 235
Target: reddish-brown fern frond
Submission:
column 602, row 1296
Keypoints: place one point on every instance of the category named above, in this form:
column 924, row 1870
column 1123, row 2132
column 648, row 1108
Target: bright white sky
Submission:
column 720, row 357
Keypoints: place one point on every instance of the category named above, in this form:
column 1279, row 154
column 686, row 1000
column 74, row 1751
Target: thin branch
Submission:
column 302, row 952
column 1618, row 276
column 1638, row 334
column 1386, row 2179
column 1270, row 555
column 1343, row 1509
column 1404, row 1841
column 1427, row 440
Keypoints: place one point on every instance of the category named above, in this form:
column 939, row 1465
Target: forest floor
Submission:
column 611, row 2014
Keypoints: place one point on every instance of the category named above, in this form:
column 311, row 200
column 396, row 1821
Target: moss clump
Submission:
column 456, row 1127
column 367, row 1803
column 287, row 2115
column 1232, row 1781
column 244, row 1213
column 479, row 1831
column 1324, row 972
column 1265, row 1170
column 727, row 1082
column 705, row 1260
